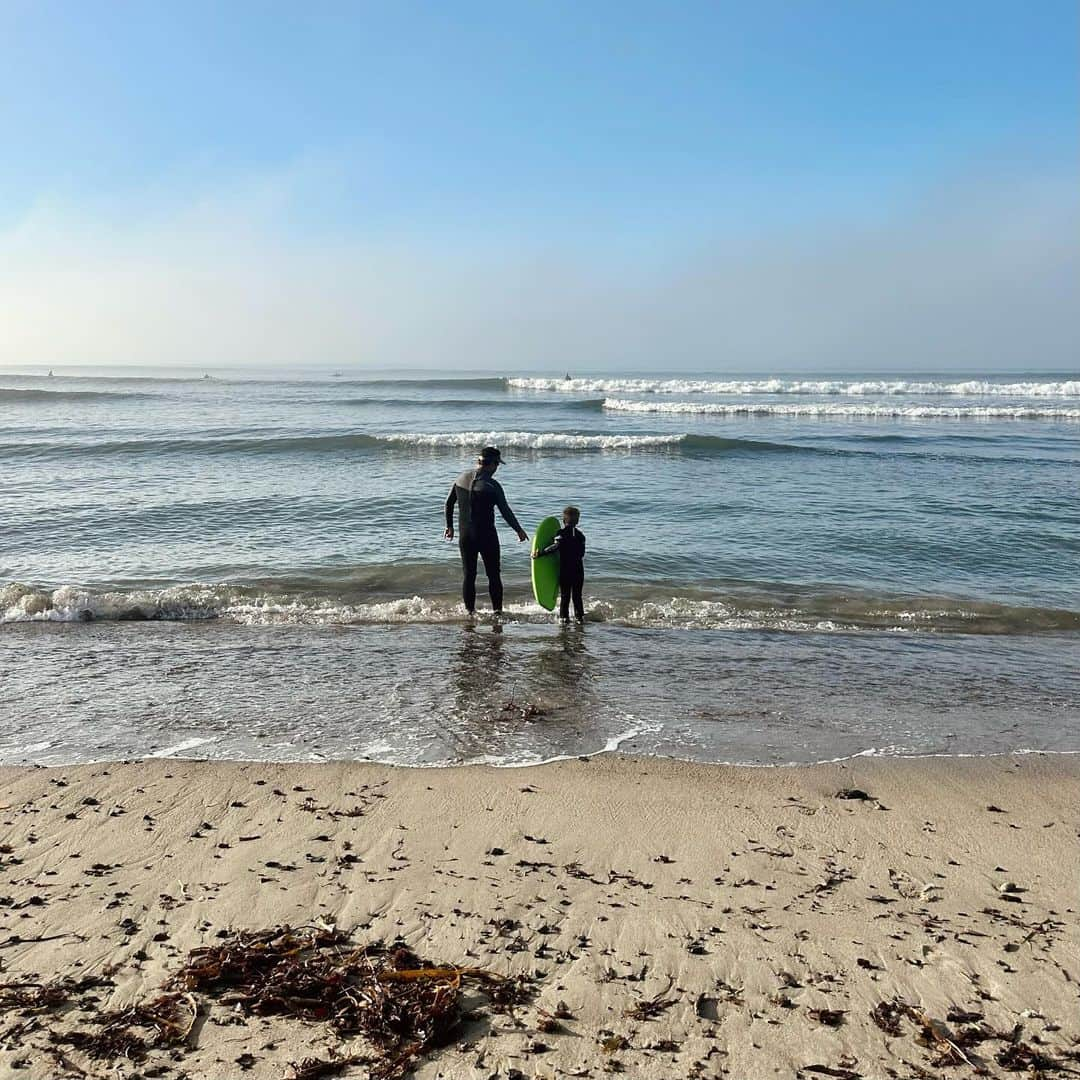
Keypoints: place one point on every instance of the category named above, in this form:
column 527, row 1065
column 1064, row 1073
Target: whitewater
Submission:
column 818, row 409
column 828, row 387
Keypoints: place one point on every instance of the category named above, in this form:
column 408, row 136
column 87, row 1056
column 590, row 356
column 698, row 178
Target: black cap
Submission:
column 491, row 455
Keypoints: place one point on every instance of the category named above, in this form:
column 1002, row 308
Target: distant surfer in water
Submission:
column 476, row 493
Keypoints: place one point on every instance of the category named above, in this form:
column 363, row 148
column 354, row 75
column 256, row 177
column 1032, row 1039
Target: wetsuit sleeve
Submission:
column 504, row 509
column 450, row 500
column 582, row 535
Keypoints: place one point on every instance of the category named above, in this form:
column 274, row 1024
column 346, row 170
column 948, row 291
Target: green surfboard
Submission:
column 545, row 570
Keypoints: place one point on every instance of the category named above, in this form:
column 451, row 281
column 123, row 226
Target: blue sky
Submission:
column 480, row 137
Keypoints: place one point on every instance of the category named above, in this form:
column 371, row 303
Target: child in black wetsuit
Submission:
column 569, row 542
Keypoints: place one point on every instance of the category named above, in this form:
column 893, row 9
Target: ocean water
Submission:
column 779, row 569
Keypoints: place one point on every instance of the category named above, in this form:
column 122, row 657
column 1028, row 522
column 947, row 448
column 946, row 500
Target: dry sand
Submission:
column 693, row 919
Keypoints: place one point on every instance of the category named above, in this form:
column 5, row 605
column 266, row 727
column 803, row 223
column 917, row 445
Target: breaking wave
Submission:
column 535, row 440
column 619, row 604
column 528, row 441
column 873, row 387
column 821, row 410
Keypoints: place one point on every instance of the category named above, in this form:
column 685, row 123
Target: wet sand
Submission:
column 695, row 921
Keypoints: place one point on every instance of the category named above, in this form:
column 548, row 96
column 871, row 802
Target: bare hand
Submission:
column 522, row 536
column 449, row 534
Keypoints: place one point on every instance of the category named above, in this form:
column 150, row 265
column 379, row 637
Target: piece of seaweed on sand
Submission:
column 401, row 1005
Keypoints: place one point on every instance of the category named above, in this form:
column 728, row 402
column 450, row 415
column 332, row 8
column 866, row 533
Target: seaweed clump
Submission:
column 401, row 1005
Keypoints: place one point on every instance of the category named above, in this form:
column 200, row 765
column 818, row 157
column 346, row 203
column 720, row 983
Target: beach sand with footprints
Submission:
column 868, row 918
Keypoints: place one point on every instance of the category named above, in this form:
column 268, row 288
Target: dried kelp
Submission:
column 133, row 1031
column 44, row 997
column 954, row 1047
column 401, row 1005
column 651, row 1008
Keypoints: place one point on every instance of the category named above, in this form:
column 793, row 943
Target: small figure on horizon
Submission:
column 566, row 378
column 476, row 493
column 569, row 544
column 50, row 373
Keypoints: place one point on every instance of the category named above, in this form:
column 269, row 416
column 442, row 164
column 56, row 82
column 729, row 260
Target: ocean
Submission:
column 780, row 570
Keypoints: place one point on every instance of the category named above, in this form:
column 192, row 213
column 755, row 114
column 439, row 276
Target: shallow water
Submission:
column 520, row 693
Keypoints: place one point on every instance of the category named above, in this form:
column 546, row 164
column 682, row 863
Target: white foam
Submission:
column 230, row 603
column 912, row 412
column 180, row 747
column 611, row 745
column 300, row 612
column 534, row 440
column 871, row 387
column 23, row 603
column 684, row 613
column 69, row 603
column 28, row 750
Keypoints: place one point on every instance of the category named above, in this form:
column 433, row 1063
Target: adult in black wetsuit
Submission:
column 476, row 493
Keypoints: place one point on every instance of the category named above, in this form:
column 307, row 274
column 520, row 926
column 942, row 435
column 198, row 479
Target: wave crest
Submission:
column 829, row 387
column 527, row 441
column 906, row 412
column 534, row 440
column 623, row 605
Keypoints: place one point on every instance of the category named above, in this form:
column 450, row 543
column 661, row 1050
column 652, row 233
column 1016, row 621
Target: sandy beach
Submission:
column 671, row 920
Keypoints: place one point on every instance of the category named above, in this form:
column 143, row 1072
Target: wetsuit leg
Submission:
column 570, row 590
column 469, row 551
column 489, row 552
column 579, row 605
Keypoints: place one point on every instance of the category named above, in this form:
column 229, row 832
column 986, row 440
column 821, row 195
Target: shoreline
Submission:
column 696, row 920
column 870, row 755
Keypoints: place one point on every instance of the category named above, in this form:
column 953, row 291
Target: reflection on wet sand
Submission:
column 564, row 670
column 505, row 686
column 481, row 685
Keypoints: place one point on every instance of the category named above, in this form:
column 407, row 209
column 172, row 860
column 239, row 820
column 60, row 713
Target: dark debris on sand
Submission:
column 962, row 1045
column 401, row 1005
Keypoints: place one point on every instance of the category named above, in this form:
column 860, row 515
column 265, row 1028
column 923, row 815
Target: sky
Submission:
column 777, row 186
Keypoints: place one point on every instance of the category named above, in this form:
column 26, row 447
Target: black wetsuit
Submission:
column 569, row 542
column 477, row 493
